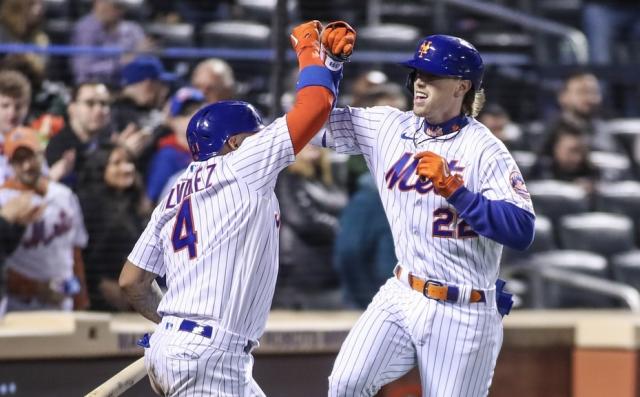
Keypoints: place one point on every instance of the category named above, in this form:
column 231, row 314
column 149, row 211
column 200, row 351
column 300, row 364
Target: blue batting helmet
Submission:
column 444, row 55
column 211, row 126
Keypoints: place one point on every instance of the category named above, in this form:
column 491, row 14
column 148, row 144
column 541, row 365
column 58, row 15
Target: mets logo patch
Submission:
column 517, row 183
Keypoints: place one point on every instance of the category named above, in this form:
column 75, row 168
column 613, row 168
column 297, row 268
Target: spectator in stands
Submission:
column 173, row 154
column 364, row 254
column 362, row 86
column 15, row 96
column 15, row 99
column 608, row 23
column 49, row 99
column 580, row 101
column 103, row 27
column 110, row 195
column 46, row 269
column 89, row 115
column 21, row 22
column 496, row 118
column 565, row 157
column 145, row 88
column 306, row 278
column 214, row 77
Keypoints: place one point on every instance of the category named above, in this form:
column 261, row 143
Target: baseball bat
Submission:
column 122, row 381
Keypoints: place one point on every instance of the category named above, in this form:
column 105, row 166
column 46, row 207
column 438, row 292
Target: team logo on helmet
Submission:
column 517, row 183
column 424, row 48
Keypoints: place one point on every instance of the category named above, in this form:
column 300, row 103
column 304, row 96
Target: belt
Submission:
column 195, row 328
column 437, row 290
column 224, row 339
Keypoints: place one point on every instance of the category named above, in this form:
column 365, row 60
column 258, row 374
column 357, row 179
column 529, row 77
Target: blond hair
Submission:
column 473, row 102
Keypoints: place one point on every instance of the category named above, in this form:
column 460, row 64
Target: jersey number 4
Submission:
column 184, row 235
column 445, row 224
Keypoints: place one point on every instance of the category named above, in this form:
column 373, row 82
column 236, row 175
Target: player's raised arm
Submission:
column 317, row 83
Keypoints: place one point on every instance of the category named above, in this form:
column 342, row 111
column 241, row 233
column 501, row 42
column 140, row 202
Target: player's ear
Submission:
column 463, row 87
column 233, row 142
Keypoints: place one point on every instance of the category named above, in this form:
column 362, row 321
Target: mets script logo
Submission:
column 402, row 175
column 424, row 48
column 517, row 183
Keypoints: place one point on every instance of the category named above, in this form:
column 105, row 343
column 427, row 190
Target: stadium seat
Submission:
column 262, row 10
column 556, row 198
column 626, row 268
column 556, row 295
column 388, row 37
column 535, row 133
column 603, row 233
column 626, row 130
column 236, row 34
column 171, row 34
column 612, row 166
column 620, row 197
column 525, row 161
column 59, row 30
column 543, row 240
column 56, row 9
column 503, row 41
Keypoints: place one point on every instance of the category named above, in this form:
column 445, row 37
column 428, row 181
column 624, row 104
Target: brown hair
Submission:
column 14, row 14
column 14, row 85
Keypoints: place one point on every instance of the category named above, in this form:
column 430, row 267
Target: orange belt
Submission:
column 437, row 290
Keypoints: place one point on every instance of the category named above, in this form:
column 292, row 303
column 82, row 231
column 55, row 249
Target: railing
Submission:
column 625, row 293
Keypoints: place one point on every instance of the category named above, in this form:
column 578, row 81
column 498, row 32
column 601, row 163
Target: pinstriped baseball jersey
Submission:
column 431, row 240
column 46, row 248
column 215, row 235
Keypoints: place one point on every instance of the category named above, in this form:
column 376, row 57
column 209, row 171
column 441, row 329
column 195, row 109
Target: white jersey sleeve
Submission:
column 147, row 254
column 352, row 130
column 80, row 235
column 500, row 179
column 262, row 156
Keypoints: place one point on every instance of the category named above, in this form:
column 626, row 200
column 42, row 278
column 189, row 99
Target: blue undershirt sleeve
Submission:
column 498, row 220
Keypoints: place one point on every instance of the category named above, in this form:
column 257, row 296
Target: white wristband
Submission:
column 331, row 64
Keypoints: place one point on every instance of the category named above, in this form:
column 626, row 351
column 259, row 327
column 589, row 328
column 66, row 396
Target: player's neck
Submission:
column 453, row 124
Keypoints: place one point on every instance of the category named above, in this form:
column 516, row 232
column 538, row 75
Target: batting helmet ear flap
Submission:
column 411, row 77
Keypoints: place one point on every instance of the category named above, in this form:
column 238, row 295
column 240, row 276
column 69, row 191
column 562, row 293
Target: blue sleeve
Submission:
column 160, row 171
column 498, row 220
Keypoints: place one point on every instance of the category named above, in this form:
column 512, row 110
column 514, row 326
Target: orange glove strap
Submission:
column 449, row 186
column 305, row 41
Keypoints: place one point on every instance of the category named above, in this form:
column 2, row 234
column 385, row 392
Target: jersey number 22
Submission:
column 184, row 234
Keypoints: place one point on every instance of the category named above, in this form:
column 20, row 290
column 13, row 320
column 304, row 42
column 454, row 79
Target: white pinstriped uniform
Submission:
column 46, row 249
column 230, row 280
column 455, row 345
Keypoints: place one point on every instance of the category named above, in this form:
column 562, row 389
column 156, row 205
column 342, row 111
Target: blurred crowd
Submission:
column 83, row 163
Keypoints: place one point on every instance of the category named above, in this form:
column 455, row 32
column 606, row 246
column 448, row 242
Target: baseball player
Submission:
column 45, row 271
column 215, row 236
column 453, row 197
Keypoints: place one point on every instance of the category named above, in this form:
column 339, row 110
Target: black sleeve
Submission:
column 55, row 149
column 10, row 235
column 300, row 211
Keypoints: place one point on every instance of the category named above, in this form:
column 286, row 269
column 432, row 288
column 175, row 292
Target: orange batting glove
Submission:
column 338, row 39
column 305, row 40
column 434, row 167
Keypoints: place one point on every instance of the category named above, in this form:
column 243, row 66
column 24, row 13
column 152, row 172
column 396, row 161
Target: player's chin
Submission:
column 419, row 110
